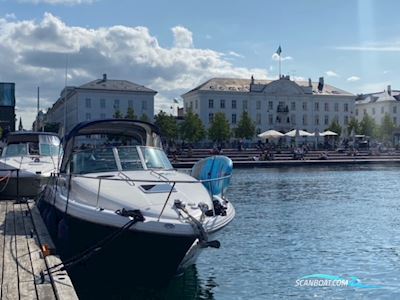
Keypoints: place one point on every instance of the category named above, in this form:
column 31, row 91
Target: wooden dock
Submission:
column 27, row 253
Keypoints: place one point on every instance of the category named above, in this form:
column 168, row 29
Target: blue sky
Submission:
column 172, row 46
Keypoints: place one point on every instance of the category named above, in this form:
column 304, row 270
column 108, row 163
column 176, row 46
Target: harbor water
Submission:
column 340, row 221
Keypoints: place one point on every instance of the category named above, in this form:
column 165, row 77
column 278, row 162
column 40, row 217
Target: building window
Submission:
column 233, row 118
column 258, row 119
column 210, row 118
column 102, row 116
column 316, row 106
column 336, row 106
column 270, row 119
column 304, row 105
column 210, row 103
column 88, row 103
column 88, row 116
column 258, row 131
column 326, row 106
column 346, row 107
column 233, row 104
column 382, row 110
column 305, row 120
column 373, row 110
column 356, row 111
column 196, row 104
column 326, row 122
column 102, row 103
column 116, row 104
column 395, row 109
column 244, row 104
column 293, row 119
column 144, row 105
column 222, row 103
column 346, row 120
column 130, row 103
column 191, row 105
column 316, row 120
column 365, row 111
column 293, row 106
column 270, row 105
column 258, row 104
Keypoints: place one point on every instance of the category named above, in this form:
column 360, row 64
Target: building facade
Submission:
column 377, row 105
column 7, row 106
column 100, row 99
column 280, row 104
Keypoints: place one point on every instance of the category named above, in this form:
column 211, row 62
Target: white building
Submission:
column 377, row 105
column 100, row 99
column 279, row 104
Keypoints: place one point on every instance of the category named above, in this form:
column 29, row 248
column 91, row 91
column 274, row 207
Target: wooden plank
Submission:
column 9, row 288
column 3, row 211
column 41, row 230
column 26, row 281
column 62, row 283
column 44, row 289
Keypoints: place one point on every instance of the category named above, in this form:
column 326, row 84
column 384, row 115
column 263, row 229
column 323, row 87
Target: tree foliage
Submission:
column 118, row 114
column 130, row 114
column 167, row 125
column 368, row 126
column 192, row 129
column 246, row 128
column 335, row 127
column 52, row 127
column 144, row 118
column 387, row 128
column 353, row 126
column 219, row 130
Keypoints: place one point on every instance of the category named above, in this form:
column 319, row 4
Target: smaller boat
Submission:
column 27, row 161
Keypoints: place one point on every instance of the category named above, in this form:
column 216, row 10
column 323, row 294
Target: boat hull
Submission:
column 132, row 258
column 23, row 186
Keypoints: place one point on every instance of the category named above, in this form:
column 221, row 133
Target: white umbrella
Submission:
column 328, row 133
column 298, row 132
column 270, row 134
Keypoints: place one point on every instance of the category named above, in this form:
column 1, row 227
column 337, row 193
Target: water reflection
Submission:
column 185, row 287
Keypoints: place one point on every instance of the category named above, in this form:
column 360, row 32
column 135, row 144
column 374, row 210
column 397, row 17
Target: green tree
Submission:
column 335, row 127
column 246, row 128
column 167, row 125
column 368, row 126
column 192, row 129
column 52, row 127
column 117, row 114
column 354, row 126
column 130, row 114
column 387, row 128
column 219, row 131
column 144, row 118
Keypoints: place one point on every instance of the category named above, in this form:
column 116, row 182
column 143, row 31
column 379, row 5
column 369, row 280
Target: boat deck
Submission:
column 26, row 251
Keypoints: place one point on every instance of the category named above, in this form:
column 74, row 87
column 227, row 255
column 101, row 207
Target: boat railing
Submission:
column 133, row 181
column 7, row 177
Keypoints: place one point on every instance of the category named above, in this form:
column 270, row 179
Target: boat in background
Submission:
column 119, row 213
column 27, row 161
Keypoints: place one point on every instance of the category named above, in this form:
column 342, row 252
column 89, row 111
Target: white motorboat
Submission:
column 119, row 212
column 27, row 161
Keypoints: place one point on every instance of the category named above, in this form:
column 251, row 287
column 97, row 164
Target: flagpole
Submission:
column 280, row 66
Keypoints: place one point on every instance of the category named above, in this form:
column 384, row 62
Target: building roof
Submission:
column 115, row 85
column 384, row 96
column 243, row 85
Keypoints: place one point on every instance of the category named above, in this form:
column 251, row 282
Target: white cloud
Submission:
column 235, row 54
column 275, row 57
column 10, row 16
column 353, row 78
column 183, row 38
column 58, row 2
column 36, row 55
column 331, row 73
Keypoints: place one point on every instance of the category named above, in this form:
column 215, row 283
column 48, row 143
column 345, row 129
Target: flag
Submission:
column 279, row 50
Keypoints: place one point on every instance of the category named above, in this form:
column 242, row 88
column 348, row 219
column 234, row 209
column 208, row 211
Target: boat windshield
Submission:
column 117, row 158
column 43, row 145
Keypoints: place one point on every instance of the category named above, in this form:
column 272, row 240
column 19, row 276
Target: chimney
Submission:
column 321, row 84
column 309, row 82
column 104, row 77
column 389, row 90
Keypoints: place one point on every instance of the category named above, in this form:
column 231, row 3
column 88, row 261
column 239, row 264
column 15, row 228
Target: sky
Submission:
column 173, row 46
